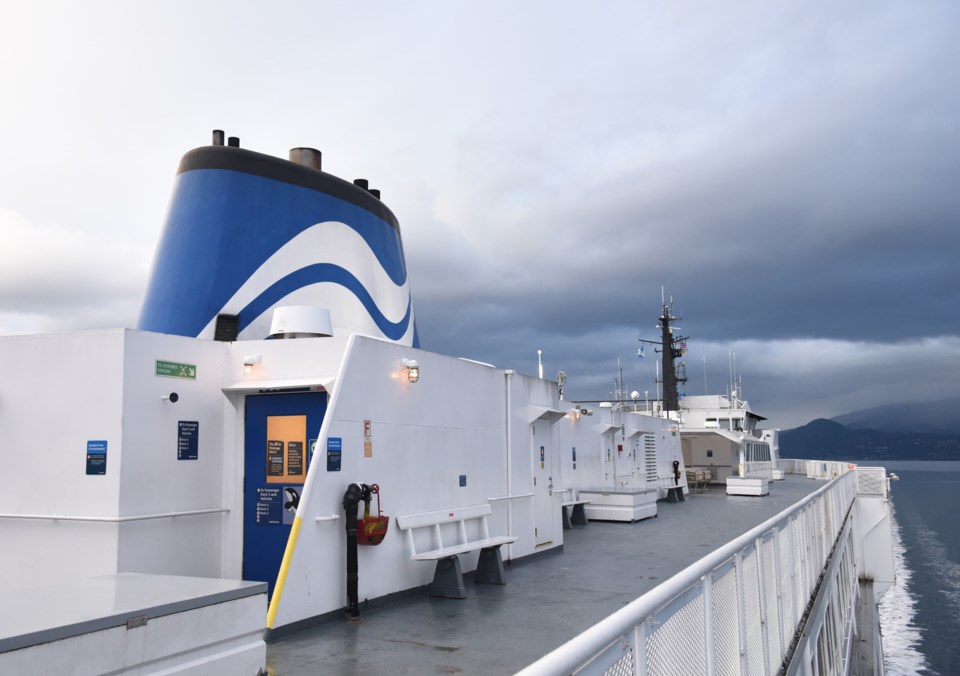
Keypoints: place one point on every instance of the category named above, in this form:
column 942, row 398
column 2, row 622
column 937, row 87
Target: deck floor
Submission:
column 501, row 629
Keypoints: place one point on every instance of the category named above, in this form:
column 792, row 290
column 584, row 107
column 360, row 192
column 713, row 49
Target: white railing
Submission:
column 758, row 468
column 826, row 636
column 735, row 611
column 115, row 519
column 816, row 469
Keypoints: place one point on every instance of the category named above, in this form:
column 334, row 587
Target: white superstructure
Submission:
column 720, row 436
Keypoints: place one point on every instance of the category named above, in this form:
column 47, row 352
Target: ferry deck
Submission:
column 547, row 600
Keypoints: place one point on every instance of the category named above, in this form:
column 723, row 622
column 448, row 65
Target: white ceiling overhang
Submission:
column 315, row 383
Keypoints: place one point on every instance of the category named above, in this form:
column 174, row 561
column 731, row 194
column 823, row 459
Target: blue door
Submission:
column 279, row 432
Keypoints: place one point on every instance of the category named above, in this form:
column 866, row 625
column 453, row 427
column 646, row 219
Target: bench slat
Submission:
column 574, row 502
column 407, row 521
column 436, row 554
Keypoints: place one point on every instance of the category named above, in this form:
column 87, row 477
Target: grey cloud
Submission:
column 787, row 171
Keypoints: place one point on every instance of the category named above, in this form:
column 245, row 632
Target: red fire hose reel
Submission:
column 372, row 529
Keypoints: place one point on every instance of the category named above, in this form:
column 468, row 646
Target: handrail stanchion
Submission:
column 709, row 636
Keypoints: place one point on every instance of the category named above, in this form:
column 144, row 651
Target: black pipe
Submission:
column 351, row 500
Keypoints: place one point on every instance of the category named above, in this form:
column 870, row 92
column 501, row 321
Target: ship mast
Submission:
column 671, row 348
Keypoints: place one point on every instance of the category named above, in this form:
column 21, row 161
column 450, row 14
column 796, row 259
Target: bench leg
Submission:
column 579, row 515
column 490, row 567
column 566, row 516
column 448, row 580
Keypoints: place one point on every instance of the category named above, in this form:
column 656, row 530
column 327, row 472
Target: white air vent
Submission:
column 301, row 321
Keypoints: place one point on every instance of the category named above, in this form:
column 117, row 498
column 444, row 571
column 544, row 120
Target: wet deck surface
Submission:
column 501, row 629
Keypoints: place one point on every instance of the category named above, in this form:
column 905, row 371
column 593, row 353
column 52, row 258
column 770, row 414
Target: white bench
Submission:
column 577, row 515
column 448, row 578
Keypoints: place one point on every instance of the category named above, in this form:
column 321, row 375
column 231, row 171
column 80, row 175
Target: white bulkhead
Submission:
column 165, row 419
column 609, row 449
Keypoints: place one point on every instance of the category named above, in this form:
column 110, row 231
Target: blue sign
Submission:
column 269, row 508
column 334, row 452
column 96, row 457
column 187, row 433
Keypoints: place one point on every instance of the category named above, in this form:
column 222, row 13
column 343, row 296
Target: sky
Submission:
column 789, row 173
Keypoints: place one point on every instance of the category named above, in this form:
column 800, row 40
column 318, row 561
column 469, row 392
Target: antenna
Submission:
column 620, row 389
column 735, row 388
column 730, row 364
column 704, row 374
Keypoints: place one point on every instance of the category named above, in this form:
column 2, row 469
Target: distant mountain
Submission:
column 933, row 417
column 823, row 439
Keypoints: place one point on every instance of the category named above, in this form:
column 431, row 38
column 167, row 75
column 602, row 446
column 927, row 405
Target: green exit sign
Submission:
column 175, row 369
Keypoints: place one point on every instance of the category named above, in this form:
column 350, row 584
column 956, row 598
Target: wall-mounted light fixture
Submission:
column 249, row 362
column 412, row 367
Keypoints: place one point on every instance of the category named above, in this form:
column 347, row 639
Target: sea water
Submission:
column 920, row 613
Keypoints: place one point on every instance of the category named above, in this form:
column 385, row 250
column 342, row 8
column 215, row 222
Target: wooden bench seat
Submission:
column 448, row 578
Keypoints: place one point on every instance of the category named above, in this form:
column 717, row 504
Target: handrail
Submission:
column 584, row 647
column 114, row 519
column 324, row 519
column 511, row 497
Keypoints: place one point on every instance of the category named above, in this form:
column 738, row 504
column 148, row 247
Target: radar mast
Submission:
column 672, row 348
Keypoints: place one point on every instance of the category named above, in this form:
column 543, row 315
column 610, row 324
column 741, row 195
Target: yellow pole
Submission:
column 282, row 575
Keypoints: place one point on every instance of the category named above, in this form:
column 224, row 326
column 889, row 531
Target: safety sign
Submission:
column 96, row 457
column 187, row 433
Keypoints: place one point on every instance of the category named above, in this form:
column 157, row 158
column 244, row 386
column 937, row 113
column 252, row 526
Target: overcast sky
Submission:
column 789, row 172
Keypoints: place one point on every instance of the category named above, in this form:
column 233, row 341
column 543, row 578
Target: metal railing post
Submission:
column 741, row 612
column 640, row 634
column 762, row 594
column 709, row 635
column 778, row 588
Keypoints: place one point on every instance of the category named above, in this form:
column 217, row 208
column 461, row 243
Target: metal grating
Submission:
column 788, row 576
column 624, row 666
column 650, row 456
column 677, row 645
column 726, row 628
column 870, row 481
column 770, row 573
column 227, row 328
column 751, row 611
